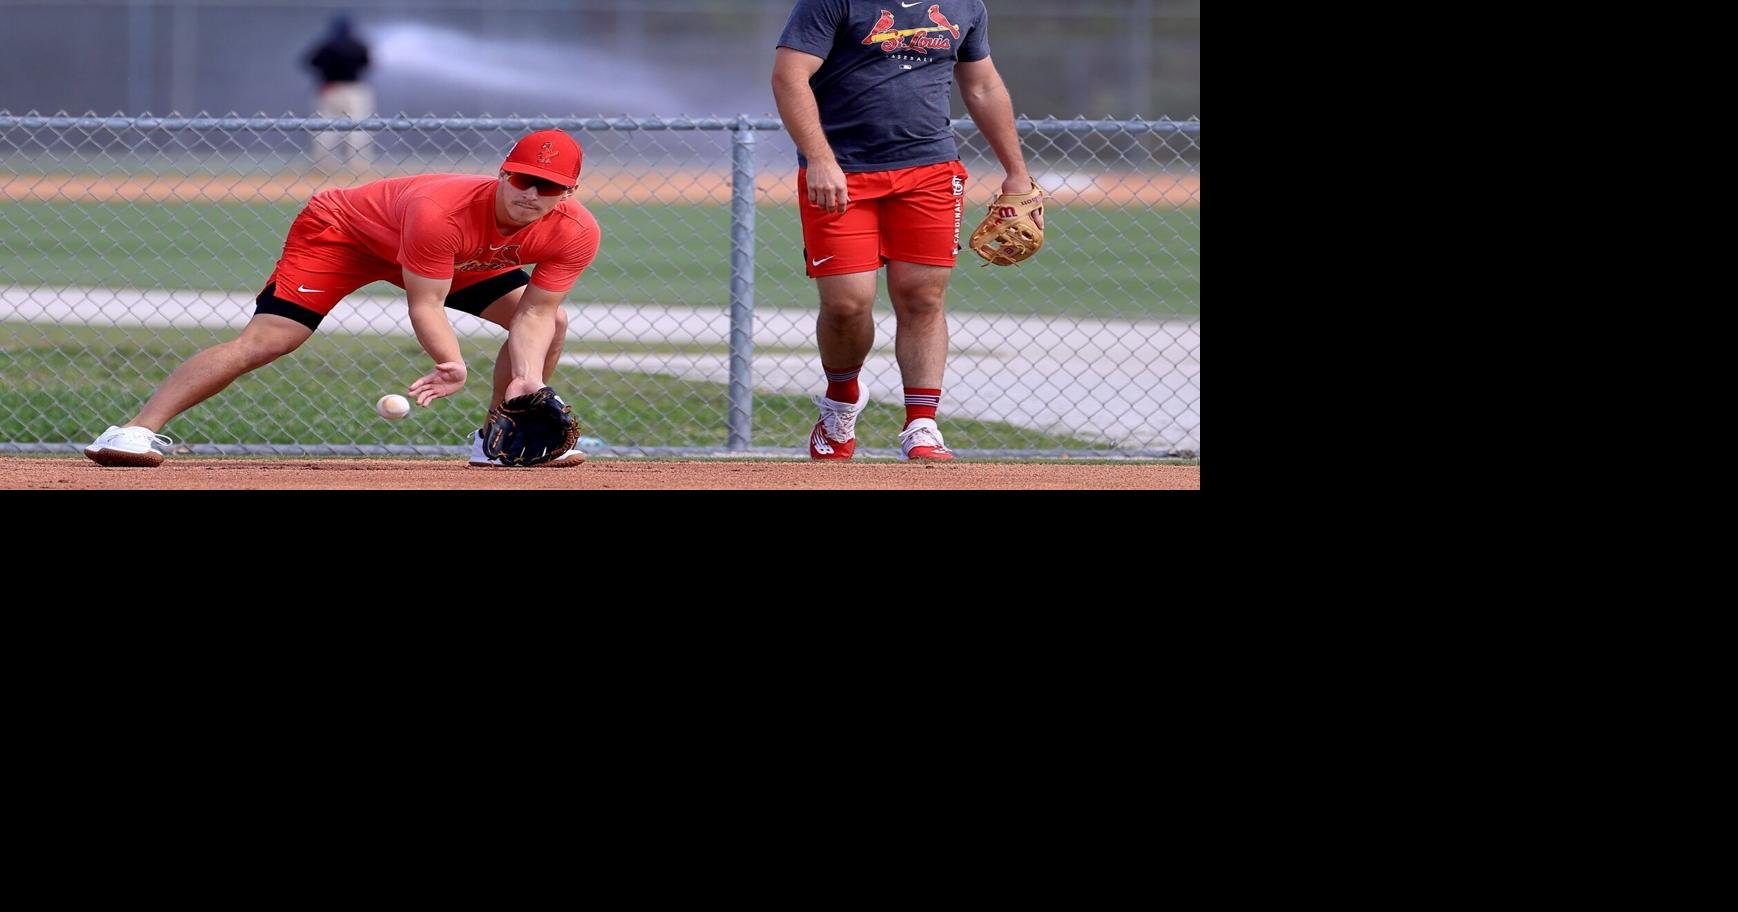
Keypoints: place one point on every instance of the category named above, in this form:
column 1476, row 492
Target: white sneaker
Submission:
column 922, row 441
column 834, row 436
column 127, row 446
column 481, row 460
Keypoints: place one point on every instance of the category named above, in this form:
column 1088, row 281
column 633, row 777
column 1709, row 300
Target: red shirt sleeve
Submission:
column 571, row 256
column 431, row 240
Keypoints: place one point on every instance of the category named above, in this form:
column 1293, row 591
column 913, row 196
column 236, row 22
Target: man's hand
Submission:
column 827, row 186
column 1018, row 185
column 447, row 378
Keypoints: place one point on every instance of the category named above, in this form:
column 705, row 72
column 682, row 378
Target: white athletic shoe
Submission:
column 127, row 446
column 834, row 436
column 480, row 460
column 922, row 442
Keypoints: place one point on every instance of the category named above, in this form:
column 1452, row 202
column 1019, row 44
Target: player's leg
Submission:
column 267, row 337
column 318, row 268
column 920, row 236
column 845, row 327
column 919, row 294
column 844, row 333
column 842, row 253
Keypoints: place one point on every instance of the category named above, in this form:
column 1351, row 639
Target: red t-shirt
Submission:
column 436, row 225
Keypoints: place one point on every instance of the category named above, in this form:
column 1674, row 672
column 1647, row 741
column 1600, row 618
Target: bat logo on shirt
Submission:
column 892, row 39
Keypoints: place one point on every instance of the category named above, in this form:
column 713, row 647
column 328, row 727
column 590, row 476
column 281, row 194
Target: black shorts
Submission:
column 473, row 300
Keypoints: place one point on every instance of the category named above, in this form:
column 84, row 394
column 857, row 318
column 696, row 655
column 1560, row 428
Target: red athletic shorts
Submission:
column 321, row 264
column 912, row 215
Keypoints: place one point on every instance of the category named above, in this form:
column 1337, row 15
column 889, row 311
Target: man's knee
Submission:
column 919, row 303
column 846, row 308
column 256, row 354
column 259, row 349
column 917, row 291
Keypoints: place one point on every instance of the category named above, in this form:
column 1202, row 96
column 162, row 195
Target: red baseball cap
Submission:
column 549, row 154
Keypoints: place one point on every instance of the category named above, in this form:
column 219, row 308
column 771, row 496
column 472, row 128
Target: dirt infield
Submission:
column 77, row 473
column 675, row 187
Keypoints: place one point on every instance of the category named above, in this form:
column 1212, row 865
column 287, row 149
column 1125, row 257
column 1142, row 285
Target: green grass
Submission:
column 67, row 383
column 1097, row 261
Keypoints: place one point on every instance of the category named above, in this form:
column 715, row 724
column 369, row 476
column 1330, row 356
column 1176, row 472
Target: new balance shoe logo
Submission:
column 819, row 442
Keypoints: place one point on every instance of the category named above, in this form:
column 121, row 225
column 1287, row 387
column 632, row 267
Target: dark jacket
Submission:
column 340, row 58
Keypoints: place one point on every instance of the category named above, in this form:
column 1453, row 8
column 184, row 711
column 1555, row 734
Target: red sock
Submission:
column 842, row 384
column 921, row 403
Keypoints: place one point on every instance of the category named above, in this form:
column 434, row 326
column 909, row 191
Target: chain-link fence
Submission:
column 127, row 243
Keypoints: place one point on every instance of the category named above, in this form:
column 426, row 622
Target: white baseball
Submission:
column 392, row 406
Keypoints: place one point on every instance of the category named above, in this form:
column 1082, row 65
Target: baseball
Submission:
column 392, row 406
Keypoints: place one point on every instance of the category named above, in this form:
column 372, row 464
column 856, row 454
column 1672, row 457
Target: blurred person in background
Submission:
column 339, row 61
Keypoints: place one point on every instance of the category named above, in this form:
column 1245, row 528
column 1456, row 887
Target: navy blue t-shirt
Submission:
column 884, row 103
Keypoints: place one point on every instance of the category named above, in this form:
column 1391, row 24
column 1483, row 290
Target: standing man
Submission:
column 862, row 86
column 339, row 60
column 450, row 241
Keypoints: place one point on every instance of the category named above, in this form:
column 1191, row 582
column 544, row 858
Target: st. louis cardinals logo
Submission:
column 547, row 154
column 488, row 257
column 912, row 39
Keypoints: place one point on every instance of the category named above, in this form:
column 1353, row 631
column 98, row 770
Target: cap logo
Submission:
column 547, row 154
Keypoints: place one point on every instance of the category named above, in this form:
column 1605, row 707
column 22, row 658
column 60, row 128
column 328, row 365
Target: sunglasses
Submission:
column 544, row 187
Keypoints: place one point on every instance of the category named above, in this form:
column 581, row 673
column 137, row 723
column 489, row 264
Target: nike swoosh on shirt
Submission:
column 909, row 5
column 305, row 290
column 821, row 260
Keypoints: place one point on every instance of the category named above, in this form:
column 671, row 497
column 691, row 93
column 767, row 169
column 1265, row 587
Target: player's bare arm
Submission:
column 434, row 331
column 992, row 109
column 791, row 71
column 529, row 337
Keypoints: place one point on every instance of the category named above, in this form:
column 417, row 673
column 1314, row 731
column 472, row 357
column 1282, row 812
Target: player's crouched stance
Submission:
column 451, row 241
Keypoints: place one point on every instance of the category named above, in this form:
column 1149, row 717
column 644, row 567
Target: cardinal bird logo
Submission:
column 878, row 33
column 547, row 154
column 936, row 17
column 892, row 39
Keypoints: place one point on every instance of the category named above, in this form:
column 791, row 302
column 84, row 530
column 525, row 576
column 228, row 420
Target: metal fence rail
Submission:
column 127, row 243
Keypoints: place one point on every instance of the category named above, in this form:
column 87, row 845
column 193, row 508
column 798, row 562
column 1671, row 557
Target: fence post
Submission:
column 740, row 420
